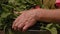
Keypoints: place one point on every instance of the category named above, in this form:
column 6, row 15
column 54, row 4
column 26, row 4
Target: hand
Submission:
column 25, row 20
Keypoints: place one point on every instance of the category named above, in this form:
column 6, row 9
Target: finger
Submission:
column 17, row 12
column 22, row 20
column 25, row 28
column 22, row 12
column 20, row 26
column 28, row 24
column 16, row 21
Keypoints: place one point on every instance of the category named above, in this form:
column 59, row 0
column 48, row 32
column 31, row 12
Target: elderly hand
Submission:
column 25, row 20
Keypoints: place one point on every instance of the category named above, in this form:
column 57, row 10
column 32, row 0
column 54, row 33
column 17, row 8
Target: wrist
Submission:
column 40, row 13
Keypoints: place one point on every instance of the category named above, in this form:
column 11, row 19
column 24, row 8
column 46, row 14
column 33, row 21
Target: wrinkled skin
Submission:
column 25, row 20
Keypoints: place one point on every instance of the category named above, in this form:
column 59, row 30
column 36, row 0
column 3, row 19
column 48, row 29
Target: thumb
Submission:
column 19, row 12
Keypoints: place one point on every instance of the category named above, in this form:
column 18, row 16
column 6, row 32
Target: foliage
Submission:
column 7, row 15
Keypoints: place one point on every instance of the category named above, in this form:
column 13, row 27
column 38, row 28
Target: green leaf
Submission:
column 51, row 28
column 4, row 15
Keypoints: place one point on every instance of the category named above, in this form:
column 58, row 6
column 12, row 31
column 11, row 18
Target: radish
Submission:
column 58, row 3
column 37, row 6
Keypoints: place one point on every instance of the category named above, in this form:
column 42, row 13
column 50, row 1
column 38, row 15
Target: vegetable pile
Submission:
column 8, row 15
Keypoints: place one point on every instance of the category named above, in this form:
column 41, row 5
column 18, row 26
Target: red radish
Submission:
column 58, row 3
column 37, row 6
